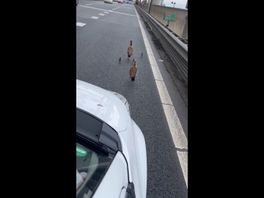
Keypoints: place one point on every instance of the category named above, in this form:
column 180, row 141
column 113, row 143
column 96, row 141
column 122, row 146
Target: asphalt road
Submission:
column 102, row 40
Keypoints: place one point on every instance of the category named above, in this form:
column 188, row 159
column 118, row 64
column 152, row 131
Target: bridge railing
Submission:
column 173, row 46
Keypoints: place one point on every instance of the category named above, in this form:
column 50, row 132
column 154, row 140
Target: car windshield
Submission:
column 91, row 165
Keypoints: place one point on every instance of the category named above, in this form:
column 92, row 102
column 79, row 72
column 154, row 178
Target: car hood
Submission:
column 103, row 104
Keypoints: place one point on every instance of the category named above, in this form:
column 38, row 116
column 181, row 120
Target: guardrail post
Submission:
column 149, row 6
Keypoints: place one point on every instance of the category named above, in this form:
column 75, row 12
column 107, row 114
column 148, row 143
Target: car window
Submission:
column 91, row 165
column 88, row 125
column 96, row 130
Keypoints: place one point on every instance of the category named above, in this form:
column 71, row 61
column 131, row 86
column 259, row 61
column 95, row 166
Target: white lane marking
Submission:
column 94, row 17
column 106, row 12
column 125, row 7
column 116, row 8
column 177, row 133
column 101, row 14
column 126, row 14
column 133, row 15
column 89, row 4
column 80, row 24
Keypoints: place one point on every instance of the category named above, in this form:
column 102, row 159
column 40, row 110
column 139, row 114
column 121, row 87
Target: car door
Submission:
column 115, row 181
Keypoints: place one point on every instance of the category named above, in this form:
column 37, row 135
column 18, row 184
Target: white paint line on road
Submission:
column 89, row 4
column 93, row 8
column 176, row 130
column 127, row 7
column 126, row 14
column 163, row 92
column 116, row 8
column 94, row 17
column 101, row 14
column 80, row 24
column 106, row 12
column 133, row 15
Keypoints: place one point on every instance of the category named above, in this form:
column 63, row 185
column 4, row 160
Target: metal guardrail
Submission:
column 174, row 47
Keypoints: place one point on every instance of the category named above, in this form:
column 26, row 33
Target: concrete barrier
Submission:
column 179, row 26
column 176, row 50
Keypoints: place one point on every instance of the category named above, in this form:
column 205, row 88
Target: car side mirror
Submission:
column 130, row 191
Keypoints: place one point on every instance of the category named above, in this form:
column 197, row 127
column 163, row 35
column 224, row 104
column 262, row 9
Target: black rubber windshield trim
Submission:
column 104, row 136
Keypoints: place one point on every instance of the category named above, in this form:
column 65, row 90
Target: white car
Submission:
column 111, row 155
column 108, row 1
